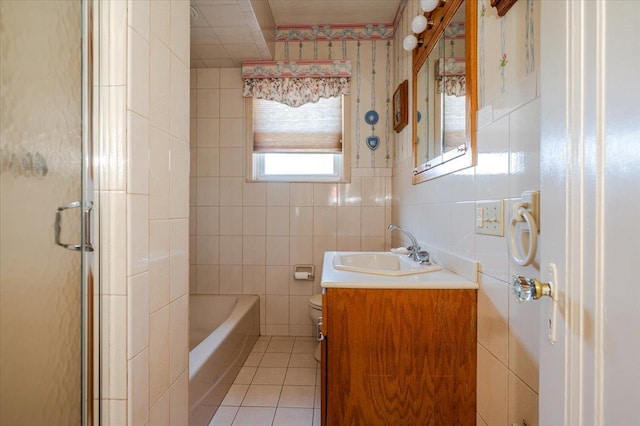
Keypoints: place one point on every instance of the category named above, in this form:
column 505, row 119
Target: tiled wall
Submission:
column 143, row 201
column 247, row 237
column 441, row 212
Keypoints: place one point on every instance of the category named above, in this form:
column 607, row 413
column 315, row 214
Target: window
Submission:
column 297, row 144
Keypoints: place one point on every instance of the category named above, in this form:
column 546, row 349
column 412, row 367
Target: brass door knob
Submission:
column 529, row 289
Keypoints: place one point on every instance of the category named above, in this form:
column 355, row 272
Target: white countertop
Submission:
column 442, row 279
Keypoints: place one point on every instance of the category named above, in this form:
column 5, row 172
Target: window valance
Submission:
column 454, row 82
column 296, row 83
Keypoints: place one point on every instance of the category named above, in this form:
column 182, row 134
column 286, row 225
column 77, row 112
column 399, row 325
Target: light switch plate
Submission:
column 490, row 217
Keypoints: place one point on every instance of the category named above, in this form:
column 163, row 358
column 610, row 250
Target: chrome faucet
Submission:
column 420, row 256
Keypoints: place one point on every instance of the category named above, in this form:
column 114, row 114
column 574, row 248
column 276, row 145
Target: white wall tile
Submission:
column 207, row 162
column 208, row 279
column 231, row 279
column 231, row 191
column 138, row 314
column 231, row 220
column 159, row 413
column 301, row 194
column 231, row 162
column 349, row 221
column 208, row 191
column 179, row 99
column 208, row 132
column 208, row 221
column 179, row 258
column 232, row 132
column 253, row 279
column 254, row 194
column 208, row 103
column 254, row 250
column 207, row 250
column 159, row 84
column 208, row 78
column 277, row 221
column 179, row 400
column 179, row 337
column 523, row 402
column 179, row 184
column 325, row 194
column 254, row 220
column 324, row 221
column 138, row 389
column 524, row 137
column 524, row 341
column 301, row 221
column 160, row 20
column 372, row 221
column 159, row 354
column 277, row 310
column 277, row 251
column 231, row 78
column 137, row 234
column 138, row 74
column 233, row 103
column 277, row 277
column 230, row 250
column 278, row 194
column 159, row 177
column 493, row 317
column 493, row 388
column 138, row 154
column 180, row 29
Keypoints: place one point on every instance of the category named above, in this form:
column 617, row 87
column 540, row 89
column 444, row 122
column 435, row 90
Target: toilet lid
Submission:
column 316, row 301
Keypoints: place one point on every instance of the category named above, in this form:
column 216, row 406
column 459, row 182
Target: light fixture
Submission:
column 429, row 5
column 419, row 24
column 410, row 42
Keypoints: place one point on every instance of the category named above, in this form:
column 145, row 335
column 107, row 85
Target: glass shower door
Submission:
column 42, row 288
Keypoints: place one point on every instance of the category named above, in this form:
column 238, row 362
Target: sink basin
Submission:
column 388, row 264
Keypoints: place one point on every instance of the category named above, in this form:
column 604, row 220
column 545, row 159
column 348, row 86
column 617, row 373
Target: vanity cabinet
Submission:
column 398, row 357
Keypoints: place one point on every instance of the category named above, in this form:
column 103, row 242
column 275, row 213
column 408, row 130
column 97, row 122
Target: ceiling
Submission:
column 224, row 33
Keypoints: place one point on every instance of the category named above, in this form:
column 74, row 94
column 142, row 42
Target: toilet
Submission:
column 315, row 312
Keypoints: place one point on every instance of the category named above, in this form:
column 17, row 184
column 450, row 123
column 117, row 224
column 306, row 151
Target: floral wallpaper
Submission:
column 506, row 48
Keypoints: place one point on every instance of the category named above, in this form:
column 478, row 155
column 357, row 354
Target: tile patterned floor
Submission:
column 279, row 385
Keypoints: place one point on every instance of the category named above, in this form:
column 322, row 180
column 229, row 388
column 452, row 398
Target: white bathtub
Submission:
column 222, row 332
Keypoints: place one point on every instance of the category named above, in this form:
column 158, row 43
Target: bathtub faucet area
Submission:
column 420, row 256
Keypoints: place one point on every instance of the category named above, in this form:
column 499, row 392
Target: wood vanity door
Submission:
column 400, row 357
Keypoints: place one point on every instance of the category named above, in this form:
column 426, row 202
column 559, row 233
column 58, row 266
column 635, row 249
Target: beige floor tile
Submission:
column 254, row 416
column 275, row 360
column 245, row 376
column 283, row 346
column 303, row 360
column 293, row 417
column 269, row 376
column 301, row 376
column 305, row 347
column 253, row 360
column 235, row 395
column 224, row 416
column 297, row 396
column 262, row 396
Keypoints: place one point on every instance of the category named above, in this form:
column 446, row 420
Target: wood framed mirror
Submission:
column 444, row 92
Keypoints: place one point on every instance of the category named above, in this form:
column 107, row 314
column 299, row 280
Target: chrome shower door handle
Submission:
column 87, row 222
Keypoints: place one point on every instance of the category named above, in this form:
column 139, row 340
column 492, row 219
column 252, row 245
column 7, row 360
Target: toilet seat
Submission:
column 316, row 301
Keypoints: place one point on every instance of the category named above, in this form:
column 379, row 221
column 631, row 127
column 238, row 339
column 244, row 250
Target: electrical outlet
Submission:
column 490, row 217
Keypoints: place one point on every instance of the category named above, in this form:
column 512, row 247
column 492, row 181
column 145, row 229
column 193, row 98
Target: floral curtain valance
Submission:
column 296, row 83
column 451, row 74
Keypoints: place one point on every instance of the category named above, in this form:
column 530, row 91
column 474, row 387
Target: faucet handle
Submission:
column 422, row 257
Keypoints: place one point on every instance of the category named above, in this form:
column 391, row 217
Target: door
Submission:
column 590, row 169
column 43, row 343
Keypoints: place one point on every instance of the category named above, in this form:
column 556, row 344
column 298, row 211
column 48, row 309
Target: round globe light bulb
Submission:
column 429, row 5
column 409, row 43
column 419, row 24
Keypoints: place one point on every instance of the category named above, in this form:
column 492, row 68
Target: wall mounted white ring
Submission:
column 518, row 257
